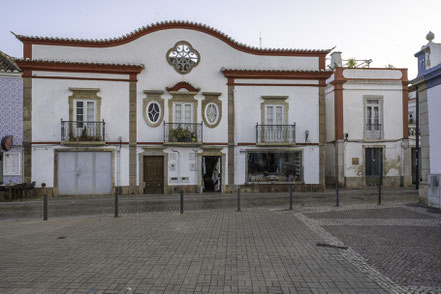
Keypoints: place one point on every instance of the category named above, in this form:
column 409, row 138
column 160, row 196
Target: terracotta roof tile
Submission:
column 7, row 64
column 169, row 25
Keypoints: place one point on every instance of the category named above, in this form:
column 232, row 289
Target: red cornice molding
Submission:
column 270, row 74
column 167, row 26
column 183, row 85
column 57, row 66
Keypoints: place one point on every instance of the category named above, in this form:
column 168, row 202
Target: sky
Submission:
column 389, row 32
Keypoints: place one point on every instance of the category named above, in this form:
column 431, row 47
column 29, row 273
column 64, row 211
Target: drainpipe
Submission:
column 118, row 169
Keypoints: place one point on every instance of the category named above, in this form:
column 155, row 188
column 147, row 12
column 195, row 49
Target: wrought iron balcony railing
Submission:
column 83, row 131
column 276, row 134
column 183, row 133
column 373, row 131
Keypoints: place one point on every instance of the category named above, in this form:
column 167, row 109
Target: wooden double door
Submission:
column 153, row 174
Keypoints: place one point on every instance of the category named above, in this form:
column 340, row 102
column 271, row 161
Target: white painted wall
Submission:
column 303, row 110
column 434, row 106
column 372, row 73
column 353, row 109
column 330, row 114
column 50, row 98
column 50, row 104
column 392, row 158
column 330, row 160
column 213, row 52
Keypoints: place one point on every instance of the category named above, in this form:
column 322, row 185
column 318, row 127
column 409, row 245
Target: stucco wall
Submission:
column 50, row 97
column 303, row 110
column 434, row 108
column 214, row 52
column 50, row 104
column 354, row 114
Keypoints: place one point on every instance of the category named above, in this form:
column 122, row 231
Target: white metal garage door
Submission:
column 82, row 173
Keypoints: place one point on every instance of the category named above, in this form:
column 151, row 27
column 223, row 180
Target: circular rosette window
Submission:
column 183, row 57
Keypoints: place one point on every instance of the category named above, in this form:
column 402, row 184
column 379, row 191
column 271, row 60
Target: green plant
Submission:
column 182, row 135
column 351, row 62
column 84, row 134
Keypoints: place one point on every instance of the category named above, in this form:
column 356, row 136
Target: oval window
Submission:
column 153, row 112
column 211, row 113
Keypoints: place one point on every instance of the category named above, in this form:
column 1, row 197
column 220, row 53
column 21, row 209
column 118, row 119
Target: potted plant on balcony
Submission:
column 182, row 135
column 71, row 136
column 83, row 134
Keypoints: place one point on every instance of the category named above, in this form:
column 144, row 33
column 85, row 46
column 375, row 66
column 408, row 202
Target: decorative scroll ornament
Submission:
column 183, row 57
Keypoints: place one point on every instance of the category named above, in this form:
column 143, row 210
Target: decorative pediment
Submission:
column 183, row 85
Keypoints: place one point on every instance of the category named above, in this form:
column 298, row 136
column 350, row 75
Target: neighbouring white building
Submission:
column 367, row 126
column 428, row 88
column 171, row 106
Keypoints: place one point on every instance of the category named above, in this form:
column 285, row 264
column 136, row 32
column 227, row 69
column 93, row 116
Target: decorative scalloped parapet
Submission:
column 164, row 25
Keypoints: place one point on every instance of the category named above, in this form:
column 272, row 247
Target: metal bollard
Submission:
column 238, row 199
column 379, row 193
column 43, row 191
column 336, row 194
column 182, row 202
column 116, row 202
column 290, row 196
column 45, row 207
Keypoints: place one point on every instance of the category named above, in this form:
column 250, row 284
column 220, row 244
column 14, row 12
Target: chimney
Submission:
column 336, row 59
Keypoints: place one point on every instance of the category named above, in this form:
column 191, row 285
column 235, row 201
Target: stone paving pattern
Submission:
column 254, row 251
column 266, row 248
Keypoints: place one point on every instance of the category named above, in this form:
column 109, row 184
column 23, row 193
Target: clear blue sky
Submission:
column 387, row 31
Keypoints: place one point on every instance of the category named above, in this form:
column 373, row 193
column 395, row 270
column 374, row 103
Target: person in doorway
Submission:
column 215, row 179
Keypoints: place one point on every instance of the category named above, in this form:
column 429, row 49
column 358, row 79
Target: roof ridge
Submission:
column 274, row 70
column 78, row 62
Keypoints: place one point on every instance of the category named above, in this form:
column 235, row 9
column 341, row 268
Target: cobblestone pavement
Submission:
column 399, row 246
column 211, row 248
column 254, row 251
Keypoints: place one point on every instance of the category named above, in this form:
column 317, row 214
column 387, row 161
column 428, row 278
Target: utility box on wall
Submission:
column 435, row 190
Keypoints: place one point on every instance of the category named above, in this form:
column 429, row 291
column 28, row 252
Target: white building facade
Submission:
column 428, row 90
column 367, row 127
column 172, row 106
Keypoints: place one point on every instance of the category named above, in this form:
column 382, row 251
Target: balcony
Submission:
column 275, row 134
column 83, row 132
column 373, row 131
column 183, row 133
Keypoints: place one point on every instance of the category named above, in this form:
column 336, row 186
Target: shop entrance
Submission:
column 211, row 174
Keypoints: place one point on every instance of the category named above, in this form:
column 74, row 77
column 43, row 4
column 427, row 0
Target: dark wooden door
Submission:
column 153, row 174
column 374, row 166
